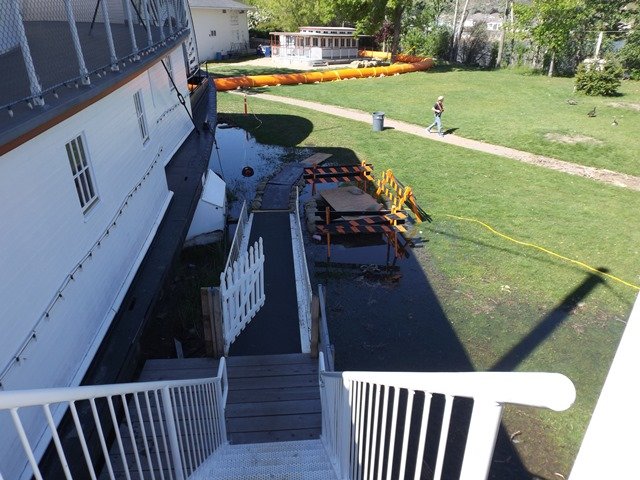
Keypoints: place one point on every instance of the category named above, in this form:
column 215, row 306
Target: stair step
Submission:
column 305, row 459
column 298, row 445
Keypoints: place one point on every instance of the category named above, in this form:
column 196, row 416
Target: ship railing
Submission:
column 303, row 282
column 162, row 429
column 49, row 45
column 380, row 424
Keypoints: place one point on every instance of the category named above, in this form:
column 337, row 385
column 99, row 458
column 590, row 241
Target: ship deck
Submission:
column 56, row 66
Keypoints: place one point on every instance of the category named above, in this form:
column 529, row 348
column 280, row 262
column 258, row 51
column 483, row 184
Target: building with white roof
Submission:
column 221, row 28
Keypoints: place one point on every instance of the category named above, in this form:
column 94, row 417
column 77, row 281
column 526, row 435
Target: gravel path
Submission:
column 598, row 174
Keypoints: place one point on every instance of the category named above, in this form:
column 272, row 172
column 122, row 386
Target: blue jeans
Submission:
column 436, row 122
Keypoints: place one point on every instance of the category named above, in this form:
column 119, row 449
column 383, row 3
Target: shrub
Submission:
column 594, row 80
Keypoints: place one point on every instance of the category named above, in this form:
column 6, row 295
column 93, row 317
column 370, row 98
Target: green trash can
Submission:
column 378, row 121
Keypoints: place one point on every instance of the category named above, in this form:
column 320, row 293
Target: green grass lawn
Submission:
column 494, row 292
column 525, row 112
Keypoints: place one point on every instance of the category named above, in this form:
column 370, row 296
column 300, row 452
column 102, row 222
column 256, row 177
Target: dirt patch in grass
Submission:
column 626, row 105
column 572, row 139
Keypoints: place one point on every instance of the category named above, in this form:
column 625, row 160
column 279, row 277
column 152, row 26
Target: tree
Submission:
column 554, row 22
column 629, row 55
column 291, row 14
column 457, row 31
column 369, row 15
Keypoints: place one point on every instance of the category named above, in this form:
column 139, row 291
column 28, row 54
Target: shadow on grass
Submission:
column 547, row 325
column 235, row 71
column 283, row 130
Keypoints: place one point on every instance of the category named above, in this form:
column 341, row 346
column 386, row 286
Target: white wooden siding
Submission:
column 207, row 19
column 44, row 233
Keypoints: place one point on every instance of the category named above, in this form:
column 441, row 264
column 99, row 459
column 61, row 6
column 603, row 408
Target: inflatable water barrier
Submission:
column 400, row 57
column 232, row 83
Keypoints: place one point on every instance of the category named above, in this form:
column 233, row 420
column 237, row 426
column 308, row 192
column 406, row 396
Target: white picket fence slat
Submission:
column 242, row 292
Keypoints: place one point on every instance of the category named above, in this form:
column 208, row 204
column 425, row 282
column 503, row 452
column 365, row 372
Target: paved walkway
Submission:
column 598, row 174
column 275, row 328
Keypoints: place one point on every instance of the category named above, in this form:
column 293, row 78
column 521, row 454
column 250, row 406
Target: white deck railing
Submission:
column 240, row 236
column 241, row 292
column 373, row 428
column 161, row 428
column 303, row 282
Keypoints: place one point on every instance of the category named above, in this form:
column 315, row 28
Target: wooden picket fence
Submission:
column 241, row 292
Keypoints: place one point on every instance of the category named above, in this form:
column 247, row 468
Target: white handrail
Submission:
column 535, row 389
column 182, row 420
column 303, row 282
column 238, row 236
column 368, row 418
column 27, row 398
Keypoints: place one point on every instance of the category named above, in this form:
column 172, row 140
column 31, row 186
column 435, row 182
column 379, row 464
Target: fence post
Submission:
column 218, row 331
column 207, row 320
column 212, row 321
column 315, row 325
column 167, row 406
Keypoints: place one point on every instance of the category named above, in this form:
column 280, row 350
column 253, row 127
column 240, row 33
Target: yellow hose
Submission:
column 542, row 249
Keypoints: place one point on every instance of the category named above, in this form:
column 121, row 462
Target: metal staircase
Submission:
column 305, row 459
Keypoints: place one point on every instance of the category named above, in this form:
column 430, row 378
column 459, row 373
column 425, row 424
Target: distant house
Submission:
column 493, row 21
column 221, row 27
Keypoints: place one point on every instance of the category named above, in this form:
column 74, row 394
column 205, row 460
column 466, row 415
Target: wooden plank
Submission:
column 207, row 319
column 216, row 318
column 255, row 383
column 273, row 394
column 239, row 438
column 272, row 423
column 177, row 374
column 285, row 358
column 316, row 158
column 259, row 409
column 177, row 363
column 272, row 370
column 315, row 325
column 350, row 198
column 344, row 228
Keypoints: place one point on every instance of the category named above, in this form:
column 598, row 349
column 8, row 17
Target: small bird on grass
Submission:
column 571, row 101
column 615, row 122
column 591, row 113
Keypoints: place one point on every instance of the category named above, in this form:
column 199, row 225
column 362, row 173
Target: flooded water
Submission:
column 235, row 150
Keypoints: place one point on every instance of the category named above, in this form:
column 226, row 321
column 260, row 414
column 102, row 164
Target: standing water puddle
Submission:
column 236, row 151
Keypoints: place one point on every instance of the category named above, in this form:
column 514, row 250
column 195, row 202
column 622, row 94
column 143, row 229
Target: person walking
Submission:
column 437, row 109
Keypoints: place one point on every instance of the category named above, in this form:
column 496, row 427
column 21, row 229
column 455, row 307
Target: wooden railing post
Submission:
column 315, row 325
column 212, row 321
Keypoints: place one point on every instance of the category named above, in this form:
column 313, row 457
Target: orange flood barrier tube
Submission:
column 232, row 83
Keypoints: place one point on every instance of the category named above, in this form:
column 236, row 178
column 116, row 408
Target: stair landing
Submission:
column 272, row 398
column 304, row 460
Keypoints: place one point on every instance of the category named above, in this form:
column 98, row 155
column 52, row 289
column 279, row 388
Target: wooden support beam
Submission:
column 315, row 325
column 212, row 321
